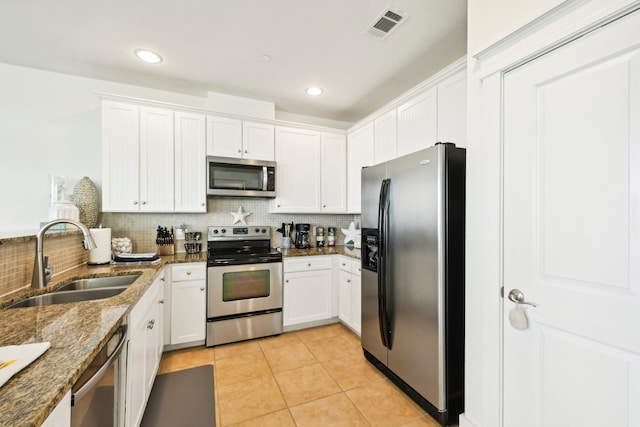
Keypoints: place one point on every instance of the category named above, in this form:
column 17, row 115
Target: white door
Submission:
column 572, row 233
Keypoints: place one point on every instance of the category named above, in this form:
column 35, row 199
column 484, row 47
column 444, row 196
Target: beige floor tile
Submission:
column 329, row 348
column 305, row 384
column 236, row 349
column 177, row 360
column 241, row 368
column 335, row 411
column 423, row 421
column 351, row 372
column 289, row 357
column 312, row 334
column 382, row 404
column 287, row 339
column 249, row 399
column 277, row 419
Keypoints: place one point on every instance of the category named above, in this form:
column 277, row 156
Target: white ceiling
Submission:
column 217, row 45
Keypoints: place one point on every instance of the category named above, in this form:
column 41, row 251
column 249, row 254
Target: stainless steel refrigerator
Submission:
column 413, row 211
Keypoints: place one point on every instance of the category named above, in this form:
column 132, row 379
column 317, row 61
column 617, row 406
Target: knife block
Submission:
column 165, row 249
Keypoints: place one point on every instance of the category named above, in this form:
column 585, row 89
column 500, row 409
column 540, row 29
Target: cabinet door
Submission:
column 136, row 373
column 258, row 141
column 153, row 348
column 359, row 154
column 385, row 138
column 190, row 161
column 188, row 311
column 224, row 137
column 298, row 176
column 344, row 302
column 418, row 123
column 307, row 297
column 120, row 157
column 452, row 110
column 156, row 160
column 356, row 296
column 333, row 167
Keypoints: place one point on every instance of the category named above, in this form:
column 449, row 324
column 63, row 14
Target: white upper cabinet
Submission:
column 156, row 159
column 359, row 154
column 240, row 139
column 386, row 137
column 224, row 137
column 298, row 173
column 120, row 157
column 418, row 123
column 190, row 155
column 258, row 141
column 137, row 158
column 333, row 165
column 452, row 110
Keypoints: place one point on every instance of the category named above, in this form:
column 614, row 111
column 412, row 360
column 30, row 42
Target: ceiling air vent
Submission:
column 386, row 23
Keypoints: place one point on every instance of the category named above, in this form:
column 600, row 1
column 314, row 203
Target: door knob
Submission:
column 517, row 296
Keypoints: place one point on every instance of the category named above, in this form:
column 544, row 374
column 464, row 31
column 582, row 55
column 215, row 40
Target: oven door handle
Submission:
column 90, row 384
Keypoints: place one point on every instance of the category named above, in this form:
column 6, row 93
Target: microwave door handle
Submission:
column 265, row 179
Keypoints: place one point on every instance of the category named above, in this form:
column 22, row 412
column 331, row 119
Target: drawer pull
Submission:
column 161, row 301
column 202, row 289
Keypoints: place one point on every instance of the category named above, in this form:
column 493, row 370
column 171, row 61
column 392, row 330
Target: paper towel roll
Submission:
column 101, row 254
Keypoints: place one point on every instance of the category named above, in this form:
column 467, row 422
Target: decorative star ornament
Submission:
column 350, row 233
column 239, row 217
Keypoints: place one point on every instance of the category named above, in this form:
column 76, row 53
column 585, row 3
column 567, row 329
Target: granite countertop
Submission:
column 348, row 251
column 76, row 331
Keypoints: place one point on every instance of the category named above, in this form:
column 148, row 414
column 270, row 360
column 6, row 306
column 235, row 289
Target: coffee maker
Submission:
column 302, row 236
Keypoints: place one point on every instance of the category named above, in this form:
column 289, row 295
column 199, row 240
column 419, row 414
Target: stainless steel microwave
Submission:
column 231, row 177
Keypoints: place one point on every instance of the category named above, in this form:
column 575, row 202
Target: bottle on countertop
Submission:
column 331, row 236
column 319, row 237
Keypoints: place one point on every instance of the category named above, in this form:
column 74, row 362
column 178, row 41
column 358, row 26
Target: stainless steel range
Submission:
column 244, row 284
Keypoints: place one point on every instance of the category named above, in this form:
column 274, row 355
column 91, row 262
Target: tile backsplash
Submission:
column 141, row 227
column 17, row 255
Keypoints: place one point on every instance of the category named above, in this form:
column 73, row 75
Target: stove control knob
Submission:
column 257, row 230
column 215, row 231
column 264, row 230
column 223, row 231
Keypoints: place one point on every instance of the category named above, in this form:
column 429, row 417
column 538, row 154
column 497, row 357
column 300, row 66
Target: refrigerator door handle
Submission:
column 383, row 228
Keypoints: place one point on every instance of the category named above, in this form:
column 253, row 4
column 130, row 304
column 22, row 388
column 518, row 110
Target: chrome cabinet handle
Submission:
column 188, row 273
column 135, row 202
column 151, row 323
column 161, row 301
column 202, row 289
column 517, row 296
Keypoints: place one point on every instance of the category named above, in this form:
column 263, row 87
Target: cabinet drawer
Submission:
column 195, row 271
column 307, row 264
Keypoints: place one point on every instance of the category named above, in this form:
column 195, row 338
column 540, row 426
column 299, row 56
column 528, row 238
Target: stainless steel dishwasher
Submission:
column 97, row 397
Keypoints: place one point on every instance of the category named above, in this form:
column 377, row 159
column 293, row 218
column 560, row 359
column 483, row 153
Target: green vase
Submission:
column 87, row 199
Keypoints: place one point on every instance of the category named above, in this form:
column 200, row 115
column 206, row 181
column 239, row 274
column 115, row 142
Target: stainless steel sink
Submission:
column 70, row 296
column 99, row 283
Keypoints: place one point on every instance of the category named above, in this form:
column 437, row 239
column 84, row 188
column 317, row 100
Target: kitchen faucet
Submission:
column 42, row 272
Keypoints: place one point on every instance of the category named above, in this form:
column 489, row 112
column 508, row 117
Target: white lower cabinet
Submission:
column 308, row 290
column 188, row 303
column 144, row 351
column 61, row 414
column 349, row 288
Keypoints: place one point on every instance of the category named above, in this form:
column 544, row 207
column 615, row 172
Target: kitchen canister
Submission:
column 102, row 253
column 87, row 199
column 121, row 245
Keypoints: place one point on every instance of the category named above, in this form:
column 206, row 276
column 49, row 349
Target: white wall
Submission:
column 50, row 125
column 488, row 21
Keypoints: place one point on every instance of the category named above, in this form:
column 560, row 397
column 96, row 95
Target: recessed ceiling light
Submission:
column 266, row 58
column 314, row 91
column 148, row 56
